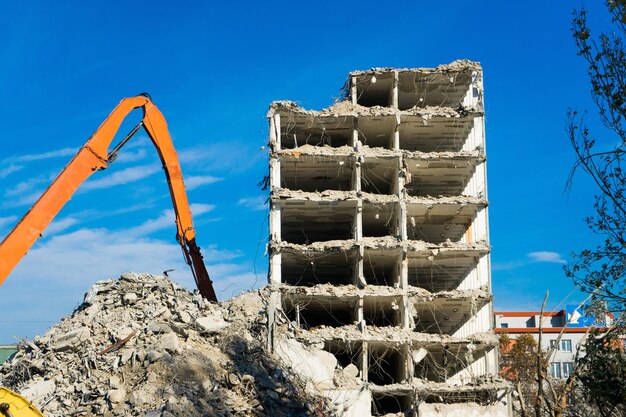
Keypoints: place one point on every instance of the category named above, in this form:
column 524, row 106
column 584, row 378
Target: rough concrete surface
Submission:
column 166, row 353
column 462, row 410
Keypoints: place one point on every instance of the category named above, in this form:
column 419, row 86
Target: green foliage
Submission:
column 603, row 371
column 604, row 266
column 518, row 358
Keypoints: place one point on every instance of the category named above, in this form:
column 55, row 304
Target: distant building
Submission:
column 515, row 323
column 6, row 351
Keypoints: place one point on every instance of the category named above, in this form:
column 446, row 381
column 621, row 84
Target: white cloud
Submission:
column 6, row 223
column 532, row 257
column 254, row 203
column 221, row 156
column 198, row 209
column 60, row 225
column 165, row 221
column 124, row 176
column 10, row 169
column 14, row 164
column 24, row 187
column 7, row 220
column 92, row 214
column 44, row 155
column 25, row 200
column 132, row 156
column 194, row 181
column 545, row 256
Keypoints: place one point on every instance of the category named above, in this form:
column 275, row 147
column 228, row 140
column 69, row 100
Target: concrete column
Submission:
column 353, row 93
column 395, row 138
column 394, row 93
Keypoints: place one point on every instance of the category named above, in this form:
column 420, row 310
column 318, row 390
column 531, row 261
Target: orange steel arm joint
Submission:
column 94, row 156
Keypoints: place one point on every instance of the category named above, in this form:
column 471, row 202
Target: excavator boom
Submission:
column 94, row 156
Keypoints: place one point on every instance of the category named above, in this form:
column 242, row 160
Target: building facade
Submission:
column 379, row 243
column 515, row 323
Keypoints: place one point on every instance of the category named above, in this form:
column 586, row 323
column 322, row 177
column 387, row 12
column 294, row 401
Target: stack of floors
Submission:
column 379, row 245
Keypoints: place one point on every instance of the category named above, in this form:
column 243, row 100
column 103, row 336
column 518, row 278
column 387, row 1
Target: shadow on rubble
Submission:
column 251, row 384
column 279, row 393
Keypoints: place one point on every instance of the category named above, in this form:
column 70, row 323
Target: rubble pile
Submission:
column 143, row 346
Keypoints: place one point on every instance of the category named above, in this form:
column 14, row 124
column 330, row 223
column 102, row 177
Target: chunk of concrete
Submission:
column 211, row 324
column 170, row 342
column 155, row 327
column 130, row 298
column 462, row 410
column 317, row 366
column 115, row 381
column 350, row 402
column 39, row 391
column 419, row 354
column 116, row 395
column 122, row 333
column 68, row 341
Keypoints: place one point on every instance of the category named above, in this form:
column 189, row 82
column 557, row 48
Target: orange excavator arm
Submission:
column 94, row 156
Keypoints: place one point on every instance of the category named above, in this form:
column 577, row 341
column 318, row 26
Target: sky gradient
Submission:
column 213, row 69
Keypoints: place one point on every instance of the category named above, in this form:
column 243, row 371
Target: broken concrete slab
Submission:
column 462, row 410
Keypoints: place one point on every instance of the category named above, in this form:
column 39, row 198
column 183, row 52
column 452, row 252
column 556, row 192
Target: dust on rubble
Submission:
column 143, row 346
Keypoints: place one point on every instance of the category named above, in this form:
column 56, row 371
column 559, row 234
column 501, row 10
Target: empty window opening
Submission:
column 374, row 89
column 381, row 267
column 435, row 233
column 377, row 132
column 378, row 175
column 392, row 404
column 440, row 177
column 437, row 134
column 386, row 365
column 444, row 317
column 440, row 222
column 316, row 173
column 310, row 270
column 440, row 362
column 310, row 312
column 442, row 89
column 443, row 274
column 382, row 311
column 485, row 397
column 298, row 131
column 347, row 353
column 380, row 220
column 306, row 222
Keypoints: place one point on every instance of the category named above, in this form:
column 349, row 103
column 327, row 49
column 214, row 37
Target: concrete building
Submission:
column 379, row 243
column 515, row 323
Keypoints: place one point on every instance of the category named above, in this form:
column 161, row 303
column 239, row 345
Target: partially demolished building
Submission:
column 379, row 245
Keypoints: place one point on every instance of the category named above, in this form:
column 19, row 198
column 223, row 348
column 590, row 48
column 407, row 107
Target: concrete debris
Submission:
column 163, row 352
column 459, row 65
column 347, row 291
column 330, row 195
column 367, row 152
column 347, row 108
column 317, row 366
column 462, row 410
column 385, row 242
column 211, row 324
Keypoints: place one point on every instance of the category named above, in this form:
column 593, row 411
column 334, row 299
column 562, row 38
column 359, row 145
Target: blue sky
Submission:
column 213, row 69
